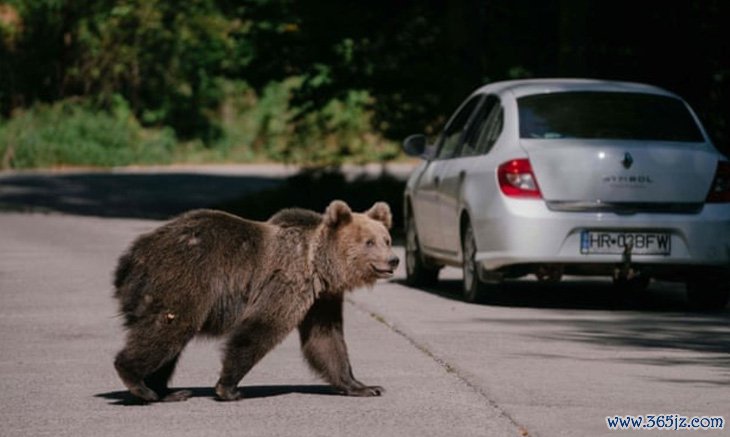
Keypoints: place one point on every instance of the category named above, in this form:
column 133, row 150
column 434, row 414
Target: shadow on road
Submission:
column 679, row 339
column 249, row 392
column 154, row 196
column 163, row 195
column 584, row 294
column 589, row 311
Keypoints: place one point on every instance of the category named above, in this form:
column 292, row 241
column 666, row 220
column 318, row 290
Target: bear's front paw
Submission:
column 144, row 393
column 227, row 393
column 177, row 396
column 365, row 391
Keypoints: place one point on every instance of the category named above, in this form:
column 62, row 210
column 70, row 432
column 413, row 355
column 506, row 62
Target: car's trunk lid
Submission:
column 629, row 176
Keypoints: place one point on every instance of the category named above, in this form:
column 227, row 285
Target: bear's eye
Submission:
column 370, row 243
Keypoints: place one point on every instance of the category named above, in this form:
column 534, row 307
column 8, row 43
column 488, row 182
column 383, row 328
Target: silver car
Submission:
column 571, row 176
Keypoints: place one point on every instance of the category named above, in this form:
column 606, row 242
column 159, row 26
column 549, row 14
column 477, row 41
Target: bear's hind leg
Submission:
column 150, row 356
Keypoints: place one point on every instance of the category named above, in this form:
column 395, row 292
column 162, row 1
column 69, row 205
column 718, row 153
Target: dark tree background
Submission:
column 416, row 59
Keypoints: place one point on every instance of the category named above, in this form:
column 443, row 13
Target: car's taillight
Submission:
column 720, row 190
column 516, row 179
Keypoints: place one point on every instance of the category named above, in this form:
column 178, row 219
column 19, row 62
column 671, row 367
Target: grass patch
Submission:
column 252, row 129
column 72, row 133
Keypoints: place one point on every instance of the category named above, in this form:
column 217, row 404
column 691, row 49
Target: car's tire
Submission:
column 474, row 290
column 418, row 272
column 708, row 294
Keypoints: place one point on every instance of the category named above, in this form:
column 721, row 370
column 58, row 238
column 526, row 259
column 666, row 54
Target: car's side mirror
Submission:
column 415, row 145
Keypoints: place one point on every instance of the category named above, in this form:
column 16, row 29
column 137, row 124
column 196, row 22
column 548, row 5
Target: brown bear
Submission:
column 215, row 274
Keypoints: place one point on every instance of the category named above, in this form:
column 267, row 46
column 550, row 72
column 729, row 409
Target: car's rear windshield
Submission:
column 606, row 115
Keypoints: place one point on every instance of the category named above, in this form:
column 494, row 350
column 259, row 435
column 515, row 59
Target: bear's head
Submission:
column 361, row 243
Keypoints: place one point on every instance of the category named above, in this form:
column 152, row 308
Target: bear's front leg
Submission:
column 247, row 345
column 323, row 345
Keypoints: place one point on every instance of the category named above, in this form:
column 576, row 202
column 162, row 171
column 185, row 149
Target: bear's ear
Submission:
column 337, row 214
column 381, row 212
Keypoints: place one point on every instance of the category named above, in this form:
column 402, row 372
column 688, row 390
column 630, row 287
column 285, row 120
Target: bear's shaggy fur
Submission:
column 212, row 273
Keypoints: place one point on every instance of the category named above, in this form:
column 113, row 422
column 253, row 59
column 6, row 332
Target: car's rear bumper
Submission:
column 527, row 232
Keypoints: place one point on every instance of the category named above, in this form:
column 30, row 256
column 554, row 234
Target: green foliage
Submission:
column 418, row 59
column 269, row 119
column 70, row 132
column 163, row 56
column 331, row 81
column 341, row 131
column 268, row 127
column 183, row 65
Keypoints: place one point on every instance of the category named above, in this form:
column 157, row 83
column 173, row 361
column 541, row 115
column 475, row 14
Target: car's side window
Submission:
column 455, row 129
column 471, row 137
column 492, row 128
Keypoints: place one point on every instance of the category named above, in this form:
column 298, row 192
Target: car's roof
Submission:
column 525, row 87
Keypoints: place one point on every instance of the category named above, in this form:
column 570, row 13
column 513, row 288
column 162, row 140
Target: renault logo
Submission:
column 628, row 161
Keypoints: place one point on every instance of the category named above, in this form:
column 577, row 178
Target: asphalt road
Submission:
column 542, row 361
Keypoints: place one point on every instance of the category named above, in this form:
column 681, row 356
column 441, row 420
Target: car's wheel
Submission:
column 418, row 273
column 708, row 294
column 474, row 289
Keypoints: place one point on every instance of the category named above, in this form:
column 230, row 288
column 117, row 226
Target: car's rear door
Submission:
column 454, row 174
column 426, row 195
column 425, row 206
column 451, row 141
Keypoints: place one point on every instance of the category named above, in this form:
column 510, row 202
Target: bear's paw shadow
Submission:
column 125, row 398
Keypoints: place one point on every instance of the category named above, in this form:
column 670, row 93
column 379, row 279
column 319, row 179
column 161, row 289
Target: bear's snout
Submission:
column 393, row 262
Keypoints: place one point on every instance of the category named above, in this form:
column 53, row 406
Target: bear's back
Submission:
column 296, row 217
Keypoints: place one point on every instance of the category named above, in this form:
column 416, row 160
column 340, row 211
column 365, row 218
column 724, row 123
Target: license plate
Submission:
column 609, row 242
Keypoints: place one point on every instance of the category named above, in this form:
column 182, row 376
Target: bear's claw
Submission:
column 227, row 393
column 366, row 391
column 177, row 396
column 144, row 393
